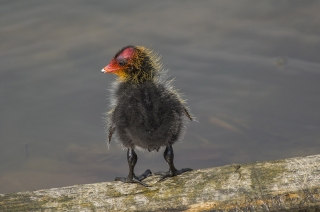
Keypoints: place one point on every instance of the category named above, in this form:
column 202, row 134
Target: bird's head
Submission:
column 134, row 63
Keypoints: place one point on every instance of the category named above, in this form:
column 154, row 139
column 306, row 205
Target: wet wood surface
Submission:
column 283, row 185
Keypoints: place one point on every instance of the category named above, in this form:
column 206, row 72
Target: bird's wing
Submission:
column 111, row 131
column 186, row 112
column 110, row 123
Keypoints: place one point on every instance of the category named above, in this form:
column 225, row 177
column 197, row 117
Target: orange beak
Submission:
column 108, row 69
column 111, row 67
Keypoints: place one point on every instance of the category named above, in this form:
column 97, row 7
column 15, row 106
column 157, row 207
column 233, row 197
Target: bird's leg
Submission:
column 168, row 156
column 132, row 178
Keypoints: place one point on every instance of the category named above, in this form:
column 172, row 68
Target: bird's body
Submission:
column 146, row 112
column 147, row 115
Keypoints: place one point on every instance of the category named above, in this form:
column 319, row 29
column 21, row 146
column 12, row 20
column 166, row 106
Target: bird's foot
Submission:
column 171, row 173
column 128, row 180
column 135, row 179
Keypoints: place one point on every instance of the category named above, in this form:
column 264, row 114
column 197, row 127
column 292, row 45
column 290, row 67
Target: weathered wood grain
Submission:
column 282, row 185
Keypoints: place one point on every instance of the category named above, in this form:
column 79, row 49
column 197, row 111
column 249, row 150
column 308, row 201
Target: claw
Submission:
column 133, row 180
column 145, row 174
column 165, row 175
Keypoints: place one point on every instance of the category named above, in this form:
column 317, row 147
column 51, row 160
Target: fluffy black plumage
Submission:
column 147, row 115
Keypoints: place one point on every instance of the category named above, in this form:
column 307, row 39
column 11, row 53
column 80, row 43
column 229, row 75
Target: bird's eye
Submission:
column 122, row 62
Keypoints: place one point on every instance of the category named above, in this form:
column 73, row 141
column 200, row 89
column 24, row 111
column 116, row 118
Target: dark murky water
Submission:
column 249, row 70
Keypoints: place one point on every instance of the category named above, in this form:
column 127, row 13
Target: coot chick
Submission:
column 146, row 112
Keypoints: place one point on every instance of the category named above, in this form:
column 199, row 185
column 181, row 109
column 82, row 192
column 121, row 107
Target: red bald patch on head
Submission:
column 127, row 53
column 121, row 61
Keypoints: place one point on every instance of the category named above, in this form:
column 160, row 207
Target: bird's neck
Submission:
column 139, row 76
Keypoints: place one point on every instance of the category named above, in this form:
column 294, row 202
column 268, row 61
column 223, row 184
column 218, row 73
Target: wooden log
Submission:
column 282, row 185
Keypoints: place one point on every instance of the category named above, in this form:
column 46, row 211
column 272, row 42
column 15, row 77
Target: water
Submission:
column 250, row 73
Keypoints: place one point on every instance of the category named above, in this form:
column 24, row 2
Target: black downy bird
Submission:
column 146, row 112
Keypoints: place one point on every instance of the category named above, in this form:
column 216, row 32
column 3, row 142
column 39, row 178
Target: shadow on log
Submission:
column 282, row 185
